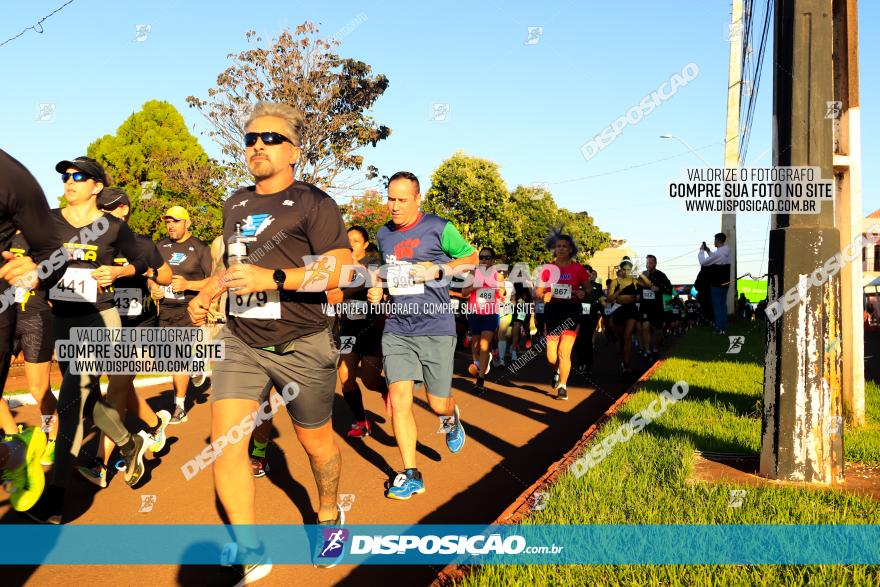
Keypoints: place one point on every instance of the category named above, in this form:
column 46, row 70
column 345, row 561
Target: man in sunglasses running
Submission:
column 286, row 245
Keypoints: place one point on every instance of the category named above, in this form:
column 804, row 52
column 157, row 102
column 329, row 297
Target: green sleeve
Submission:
column 453, row 244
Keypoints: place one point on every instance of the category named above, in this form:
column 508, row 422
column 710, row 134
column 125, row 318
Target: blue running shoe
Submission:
column 405, row 486
column 455, row 437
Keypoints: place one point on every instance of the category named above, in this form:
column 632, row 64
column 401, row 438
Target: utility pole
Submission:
column 731, row 134
column 844, row 113
column 802, row 425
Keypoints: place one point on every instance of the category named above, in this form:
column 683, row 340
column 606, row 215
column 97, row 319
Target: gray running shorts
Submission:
column 422, row 359
column 250, row 373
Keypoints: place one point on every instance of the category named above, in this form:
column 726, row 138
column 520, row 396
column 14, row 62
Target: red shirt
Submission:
column 484, row 299
column 571, row 277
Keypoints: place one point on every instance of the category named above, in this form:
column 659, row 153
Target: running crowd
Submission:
column 276, row 288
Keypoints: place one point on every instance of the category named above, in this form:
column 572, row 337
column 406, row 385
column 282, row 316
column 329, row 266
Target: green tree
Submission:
column 368, row 210
column 586, row 234
column 334, row 94
column 470, row 192
column 154, row 147
column 535, row 213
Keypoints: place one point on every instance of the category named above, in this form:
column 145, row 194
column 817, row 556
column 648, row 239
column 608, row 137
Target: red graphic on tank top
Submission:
column 407, row 249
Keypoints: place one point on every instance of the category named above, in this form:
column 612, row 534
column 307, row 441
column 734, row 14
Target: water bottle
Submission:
column 236, row 248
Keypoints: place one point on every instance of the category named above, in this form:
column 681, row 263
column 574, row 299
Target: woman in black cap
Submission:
column 623, row 295
column 84, row 298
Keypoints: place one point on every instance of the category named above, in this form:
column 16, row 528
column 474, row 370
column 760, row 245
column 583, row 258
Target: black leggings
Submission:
column 76, row 391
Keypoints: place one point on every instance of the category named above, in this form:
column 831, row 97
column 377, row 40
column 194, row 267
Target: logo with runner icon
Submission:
column 254, row 224
column 334, row 542
column 346, row 344
column 177, row 258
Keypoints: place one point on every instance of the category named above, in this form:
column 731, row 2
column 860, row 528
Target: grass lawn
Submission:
column 644, row 481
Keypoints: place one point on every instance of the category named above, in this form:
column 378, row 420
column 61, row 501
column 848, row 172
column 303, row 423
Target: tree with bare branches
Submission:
column 335, row 95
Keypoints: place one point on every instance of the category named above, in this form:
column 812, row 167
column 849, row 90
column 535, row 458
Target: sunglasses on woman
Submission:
column 77, row 176
column 485, row 257
column 268, row 138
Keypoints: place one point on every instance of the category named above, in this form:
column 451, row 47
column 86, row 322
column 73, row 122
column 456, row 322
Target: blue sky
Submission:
column 528, row 107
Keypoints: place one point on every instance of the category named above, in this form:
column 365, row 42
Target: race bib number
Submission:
column 585, row 308
column 562, row 291
column 20, row 295
column 521, row 316
column 129, row 301
column 675, row 312
column 260, row 305
column 454, row 303
column 401, row 282
column 539, row 307
column 611, row 309
column 485, row 295
column 648, row 294
column 357, row 310
column 76, row 285
column 170, row 294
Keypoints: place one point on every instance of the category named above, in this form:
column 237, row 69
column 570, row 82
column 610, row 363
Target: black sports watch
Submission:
column 279, row 277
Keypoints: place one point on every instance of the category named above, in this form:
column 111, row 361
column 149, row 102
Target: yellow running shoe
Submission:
column 48, row 458
column 27, row 481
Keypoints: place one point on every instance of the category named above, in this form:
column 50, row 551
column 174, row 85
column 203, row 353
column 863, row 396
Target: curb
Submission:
column 520, row 508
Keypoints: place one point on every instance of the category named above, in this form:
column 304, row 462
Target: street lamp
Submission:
column 686, row 146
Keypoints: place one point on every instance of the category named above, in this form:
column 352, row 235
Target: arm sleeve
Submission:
column 711, row 259
column 453, row 244
column 325, row 227
column 126, row 242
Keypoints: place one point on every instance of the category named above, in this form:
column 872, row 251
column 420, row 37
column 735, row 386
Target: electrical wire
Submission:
column 37, row 25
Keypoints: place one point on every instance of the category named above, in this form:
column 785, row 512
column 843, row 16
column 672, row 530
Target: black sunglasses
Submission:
column 268, row 138
column 77, row 176
column 486, row 257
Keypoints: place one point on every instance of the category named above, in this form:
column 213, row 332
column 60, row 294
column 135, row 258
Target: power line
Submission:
column 636, row 166
column 38, row 26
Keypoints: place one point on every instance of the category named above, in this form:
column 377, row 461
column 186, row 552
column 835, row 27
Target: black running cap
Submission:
column 85, row 164
column 112, row 198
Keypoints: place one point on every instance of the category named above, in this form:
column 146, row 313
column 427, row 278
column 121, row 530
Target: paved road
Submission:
column 515, row 431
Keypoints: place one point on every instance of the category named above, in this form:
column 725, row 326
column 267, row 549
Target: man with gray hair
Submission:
column 286, row 244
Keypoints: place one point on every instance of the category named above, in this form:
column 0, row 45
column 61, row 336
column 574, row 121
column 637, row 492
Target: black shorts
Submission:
column 652, row 313
column 624, row 313
column 561, row 318
column 367, row 335
column 175, row 315
column 142, row 321
column 518, row 308
column 33, row 335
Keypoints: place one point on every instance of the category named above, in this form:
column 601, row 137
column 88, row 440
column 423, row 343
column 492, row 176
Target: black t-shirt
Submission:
column 27, row 301
column 592, row 298
column 282, row 229
column 23, row 206
column 150, row 253
column 356, row 303
column 659, row 279
column 77, row 293
column 190, row 259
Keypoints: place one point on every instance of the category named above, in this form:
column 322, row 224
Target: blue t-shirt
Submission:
column 419, row 309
